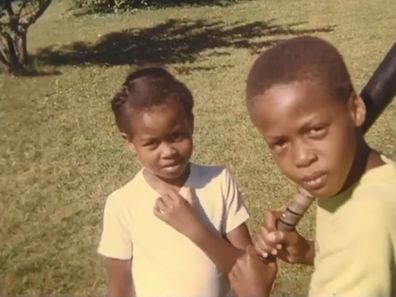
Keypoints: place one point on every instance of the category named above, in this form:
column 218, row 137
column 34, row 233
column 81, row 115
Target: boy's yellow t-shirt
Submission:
column 356, row 238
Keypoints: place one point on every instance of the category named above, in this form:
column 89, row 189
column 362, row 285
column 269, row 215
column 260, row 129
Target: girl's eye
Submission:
column 278, row 146
column 179, row 136
column 150, row 144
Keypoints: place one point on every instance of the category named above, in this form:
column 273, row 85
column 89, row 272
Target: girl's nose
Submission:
column 168, row 150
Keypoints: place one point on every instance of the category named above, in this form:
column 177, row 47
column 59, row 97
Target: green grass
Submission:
column 60, row 152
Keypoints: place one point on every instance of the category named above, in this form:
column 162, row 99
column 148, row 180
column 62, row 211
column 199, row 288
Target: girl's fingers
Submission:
column 171, row 195
column 169, row 199
column 190, row 195
column 161, row 204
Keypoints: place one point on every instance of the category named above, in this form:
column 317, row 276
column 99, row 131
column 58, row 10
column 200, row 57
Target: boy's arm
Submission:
column 119, row 278
column 289, row 246
column 181, row 215
column 252, row 277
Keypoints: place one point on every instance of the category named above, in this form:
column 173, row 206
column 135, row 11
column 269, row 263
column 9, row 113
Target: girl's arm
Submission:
column 181, row 215
column 119, row 278
column 222, row 251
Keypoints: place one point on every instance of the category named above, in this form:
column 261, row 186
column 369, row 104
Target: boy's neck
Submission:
column 366, row 158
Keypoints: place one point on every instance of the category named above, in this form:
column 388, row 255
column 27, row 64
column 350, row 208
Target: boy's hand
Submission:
column 179, row 212
column 251, row 277
column 289, row 246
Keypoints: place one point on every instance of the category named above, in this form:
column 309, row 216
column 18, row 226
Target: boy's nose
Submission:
column 304, row 156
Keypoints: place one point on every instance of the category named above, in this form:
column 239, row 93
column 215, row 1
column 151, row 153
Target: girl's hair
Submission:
column 146, row 88
column 300, row 59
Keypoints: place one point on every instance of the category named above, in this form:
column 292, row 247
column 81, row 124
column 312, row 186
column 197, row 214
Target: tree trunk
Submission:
column 13, row 41
column 21, row 46
column 14, row 57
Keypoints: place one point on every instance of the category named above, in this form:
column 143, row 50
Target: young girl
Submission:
column 177, row 227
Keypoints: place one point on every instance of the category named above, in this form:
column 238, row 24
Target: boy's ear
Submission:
column 357, row 109
column 128, row 142
column 192, row 124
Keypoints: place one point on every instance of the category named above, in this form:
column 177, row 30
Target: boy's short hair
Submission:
column 303, row 58
column 146, row 88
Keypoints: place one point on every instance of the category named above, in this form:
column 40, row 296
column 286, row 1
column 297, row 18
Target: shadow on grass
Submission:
column 174, row 41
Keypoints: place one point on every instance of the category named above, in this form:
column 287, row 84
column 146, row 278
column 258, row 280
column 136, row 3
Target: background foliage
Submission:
column 130, row 5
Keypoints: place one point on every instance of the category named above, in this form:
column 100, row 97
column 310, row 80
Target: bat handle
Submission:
column 294, row 211
column 292, row 214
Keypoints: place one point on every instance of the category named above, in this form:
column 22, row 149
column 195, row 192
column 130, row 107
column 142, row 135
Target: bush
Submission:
column 108, row 5
column 127, row 5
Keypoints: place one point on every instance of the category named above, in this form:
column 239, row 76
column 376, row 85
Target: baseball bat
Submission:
column 376, row 94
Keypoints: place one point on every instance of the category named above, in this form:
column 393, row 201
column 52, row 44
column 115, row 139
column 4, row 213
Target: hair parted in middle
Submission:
column 304, row 58
column 145, row 88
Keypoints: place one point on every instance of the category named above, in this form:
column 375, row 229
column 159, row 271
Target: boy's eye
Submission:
column 317, row 132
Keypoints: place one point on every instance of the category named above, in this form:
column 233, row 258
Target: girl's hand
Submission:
column 251, row 277
column 179, row 212
column 289, row 246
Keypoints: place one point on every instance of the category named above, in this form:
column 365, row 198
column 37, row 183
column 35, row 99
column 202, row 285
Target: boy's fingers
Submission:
column 261, row 246
column 275, row 238
column 270, row 219
column 251, row 252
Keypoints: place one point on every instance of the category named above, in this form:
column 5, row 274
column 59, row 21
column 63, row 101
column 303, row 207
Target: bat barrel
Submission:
column 380, row 89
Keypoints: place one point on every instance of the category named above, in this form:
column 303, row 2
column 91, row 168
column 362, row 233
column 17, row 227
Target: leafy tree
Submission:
column 16, row 16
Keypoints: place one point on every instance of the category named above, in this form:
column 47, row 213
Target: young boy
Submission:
column 167, row 229
column 301, row 99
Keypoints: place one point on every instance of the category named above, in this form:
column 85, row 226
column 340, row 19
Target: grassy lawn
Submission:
column 60, row 152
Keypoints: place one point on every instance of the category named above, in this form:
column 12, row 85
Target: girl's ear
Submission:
column 357, row 109
column 128, row 142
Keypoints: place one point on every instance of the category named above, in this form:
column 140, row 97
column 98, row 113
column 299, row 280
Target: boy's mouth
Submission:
column 314, row 181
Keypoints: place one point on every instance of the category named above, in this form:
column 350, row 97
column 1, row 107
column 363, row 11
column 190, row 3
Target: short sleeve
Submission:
column 115, row 241
column 235, row 211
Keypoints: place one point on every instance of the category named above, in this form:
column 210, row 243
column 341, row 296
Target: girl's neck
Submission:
column 161, row 185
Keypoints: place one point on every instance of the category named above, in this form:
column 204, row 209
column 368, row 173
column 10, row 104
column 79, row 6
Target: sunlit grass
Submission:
column 61, row 155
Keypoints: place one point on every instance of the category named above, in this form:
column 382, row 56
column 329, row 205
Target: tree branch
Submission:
column 8, row 6
column 31, row 18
